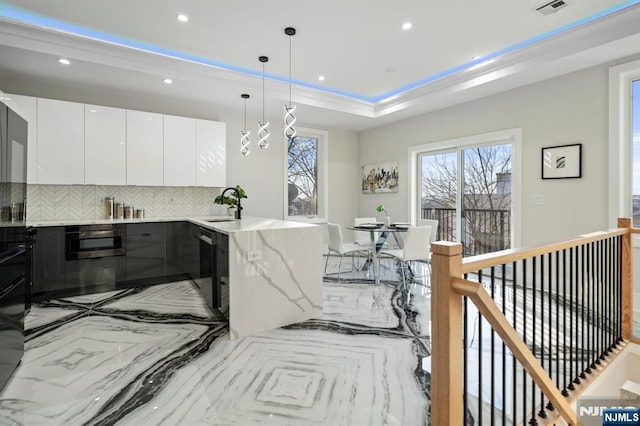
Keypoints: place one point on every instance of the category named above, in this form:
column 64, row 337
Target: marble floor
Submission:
column 158, row 356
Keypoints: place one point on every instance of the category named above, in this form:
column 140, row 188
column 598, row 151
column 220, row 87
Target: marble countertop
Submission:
column 224, row 224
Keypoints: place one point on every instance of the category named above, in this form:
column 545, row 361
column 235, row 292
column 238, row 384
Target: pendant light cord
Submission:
column 263, row 92
column 289, row 71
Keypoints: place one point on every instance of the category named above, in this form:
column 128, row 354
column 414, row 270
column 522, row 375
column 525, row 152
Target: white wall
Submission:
column 568, row 109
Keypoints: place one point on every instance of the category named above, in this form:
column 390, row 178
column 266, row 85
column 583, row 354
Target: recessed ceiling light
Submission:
column 64, row 61
column 321, row 77
column 406, row 26
column 183, row 18
column 168, row 81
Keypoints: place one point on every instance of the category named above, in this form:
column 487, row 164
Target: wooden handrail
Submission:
column 627, row 279
column 487, row 307
column 476, row 263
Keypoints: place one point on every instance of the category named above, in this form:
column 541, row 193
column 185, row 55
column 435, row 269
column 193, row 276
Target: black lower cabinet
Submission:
column 48, row 262
column 88, row 276
column 145, row 251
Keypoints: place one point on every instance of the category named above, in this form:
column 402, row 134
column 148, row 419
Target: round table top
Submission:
column 379, row 227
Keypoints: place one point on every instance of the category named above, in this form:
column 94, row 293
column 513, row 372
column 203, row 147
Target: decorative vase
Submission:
column 231, row 211
column 387, row 221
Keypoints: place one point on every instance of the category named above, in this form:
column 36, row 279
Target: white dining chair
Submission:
column 338, row 246
column 363, row 238
column 416, row 247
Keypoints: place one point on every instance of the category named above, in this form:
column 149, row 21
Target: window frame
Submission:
column 322, row 180
column 511, row 136
column 621, row 141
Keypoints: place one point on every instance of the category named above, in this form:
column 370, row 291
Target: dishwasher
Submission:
column 213, row 280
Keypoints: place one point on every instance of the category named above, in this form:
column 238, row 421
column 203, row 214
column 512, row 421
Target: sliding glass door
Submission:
column 468, row 191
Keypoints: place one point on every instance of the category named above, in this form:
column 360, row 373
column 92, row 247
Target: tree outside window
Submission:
column 302, row 185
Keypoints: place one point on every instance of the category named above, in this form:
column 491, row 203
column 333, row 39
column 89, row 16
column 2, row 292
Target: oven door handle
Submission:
column 206, row 239
column 104, row 233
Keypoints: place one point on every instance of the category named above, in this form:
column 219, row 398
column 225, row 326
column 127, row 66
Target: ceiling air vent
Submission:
column 550, row 7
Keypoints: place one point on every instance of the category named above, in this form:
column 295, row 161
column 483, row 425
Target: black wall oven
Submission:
column 95, row 241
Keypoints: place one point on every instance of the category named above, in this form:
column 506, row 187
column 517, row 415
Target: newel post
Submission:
column 446, row 335
column 627, row 277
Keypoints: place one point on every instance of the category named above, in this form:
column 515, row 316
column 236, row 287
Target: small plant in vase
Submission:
column 387, row 219
column 231, row 200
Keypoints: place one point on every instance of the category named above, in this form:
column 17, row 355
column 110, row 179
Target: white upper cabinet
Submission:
column 211, row 145
column 144, row 149
column 179, row 151
column 26, row 107
column 60, row 142
column 105, row 145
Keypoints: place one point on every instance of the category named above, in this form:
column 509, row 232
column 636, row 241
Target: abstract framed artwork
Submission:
column 562, row 162
column 381, row 177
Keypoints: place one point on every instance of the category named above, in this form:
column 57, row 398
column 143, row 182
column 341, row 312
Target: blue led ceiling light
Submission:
column 17, row 14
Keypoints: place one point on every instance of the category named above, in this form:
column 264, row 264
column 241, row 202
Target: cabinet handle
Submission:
column 146, row 235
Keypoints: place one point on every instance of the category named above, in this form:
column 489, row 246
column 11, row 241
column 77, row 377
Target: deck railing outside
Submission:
column 516, row 333
column 485, row 230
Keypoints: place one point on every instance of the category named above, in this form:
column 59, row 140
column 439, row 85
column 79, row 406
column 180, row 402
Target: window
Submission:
column 624, row 142
column 467, row 185
column 306, row 185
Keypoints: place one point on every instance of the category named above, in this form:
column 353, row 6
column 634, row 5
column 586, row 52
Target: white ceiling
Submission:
column 376, row 73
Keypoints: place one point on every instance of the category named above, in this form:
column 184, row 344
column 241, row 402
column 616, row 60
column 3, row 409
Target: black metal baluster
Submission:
column 575, row 316
column 565, row 393
column 583, row 302
column 618, row 257
column 504, row 349
column 571, row 267
column 591, row 310
column 550, row 321
column 558, row 377
column 604, row 298
column 599, row 312
column 524, row 336
column 542, row 413
column 533, row 420
column 513, row 358
column 465, row 354
column 493, row 337
column 479, row 357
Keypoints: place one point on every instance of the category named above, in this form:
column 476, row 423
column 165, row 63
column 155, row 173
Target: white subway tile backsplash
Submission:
column 63, row 202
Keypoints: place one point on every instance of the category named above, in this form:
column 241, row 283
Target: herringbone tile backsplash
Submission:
column 68, row 202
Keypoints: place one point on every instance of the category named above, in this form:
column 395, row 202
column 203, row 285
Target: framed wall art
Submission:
column 562, row 162
column 381, row 177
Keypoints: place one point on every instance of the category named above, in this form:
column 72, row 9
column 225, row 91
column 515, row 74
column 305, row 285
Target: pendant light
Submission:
column 244, row 139
column 289, row 118
column 263, row 133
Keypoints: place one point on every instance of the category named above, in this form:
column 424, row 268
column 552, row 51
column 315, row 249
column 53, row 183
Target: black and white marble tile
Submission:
column 157, row 355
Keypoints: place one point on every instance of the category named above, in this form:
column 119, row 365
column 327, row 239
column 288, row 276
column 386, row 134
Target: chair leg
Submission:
column 326, row 262
column 340, row 267
column 404, row 282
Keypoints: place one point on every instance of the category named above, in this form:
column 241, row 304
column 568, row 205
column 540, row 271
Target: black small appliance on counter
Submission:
column 13, row 239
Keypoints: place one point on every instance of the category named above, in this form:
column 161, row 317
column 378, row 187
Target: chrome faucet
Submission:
column 239, row 207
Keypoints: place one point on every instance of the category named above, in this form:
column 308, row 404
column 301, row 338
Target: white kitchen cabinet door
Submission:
column 144, row 149
column 26, row 107
column 211, row 151
column 105, row 146
column 60, row 142
column 179, row 151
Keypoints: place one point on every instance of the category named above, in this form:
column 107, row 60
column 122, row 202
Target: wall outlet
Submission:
column 254, row 255
column 537, row 199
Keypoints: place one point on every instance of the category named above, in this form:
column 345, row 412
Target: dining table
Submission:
column 377, row 241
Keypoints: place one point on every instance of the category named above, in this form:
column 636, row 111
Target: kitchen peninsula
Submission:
column 267, row 272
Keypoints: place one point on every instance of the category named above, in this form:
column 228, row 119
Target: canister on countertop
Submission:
column 109, row 206
column 140, row 214
column 128, row 212
column 15, row 212
column 119, row 211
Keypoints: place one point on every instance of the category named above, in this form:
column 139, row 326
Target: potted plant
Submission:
column 387, row 219
column 231, row 200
